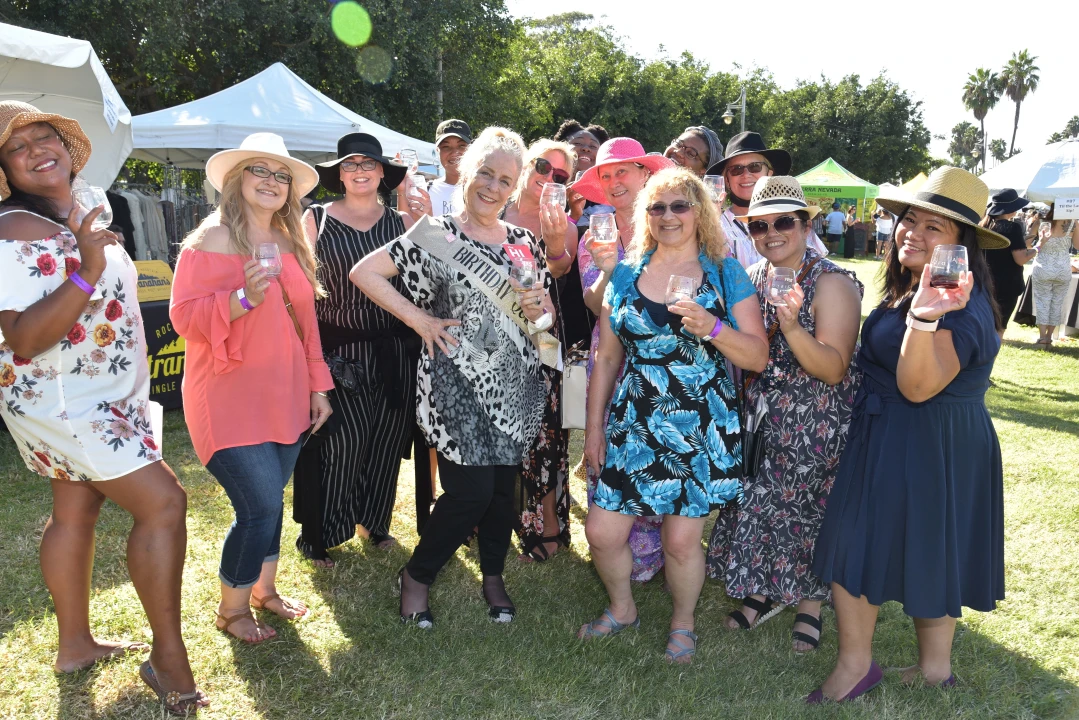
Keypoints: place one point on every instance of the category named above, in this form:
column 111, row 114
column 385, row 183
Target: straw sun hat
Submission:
column 776, row 194
column 15, row 115
column 952, row 193
column 261, row 145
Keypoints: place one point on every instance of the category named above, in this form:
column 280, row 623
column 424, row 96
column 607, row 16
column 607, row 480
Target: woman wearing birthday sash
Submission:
column 480, row 391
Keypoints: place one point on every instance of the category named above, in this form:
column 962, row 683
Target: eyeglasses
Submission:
column 755, row 168
column 783, row 224
column 685, row 150
column 678, row 207
column 543, row 167
column 367, row 165
column 259, row 171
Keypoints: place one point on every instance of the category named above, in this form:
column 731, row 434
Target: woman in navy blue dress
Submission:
column 916, row 513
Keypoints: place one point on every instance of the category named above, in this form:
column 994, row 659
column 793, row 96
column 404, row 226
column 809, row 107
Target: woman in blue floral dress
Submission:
column 672, row 445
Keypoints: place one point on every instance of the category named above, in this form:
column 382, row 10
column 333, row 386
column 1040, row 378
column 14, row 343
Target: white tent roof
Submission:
column 275, row 100
column 1043, row 174
column 63, row 75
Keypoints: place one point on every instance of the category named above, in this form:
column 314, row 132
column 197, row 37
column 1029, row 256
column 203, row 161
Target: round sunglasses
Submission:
column 544, row 167
column 783, row 225
column 261, row 172
column 678, row 207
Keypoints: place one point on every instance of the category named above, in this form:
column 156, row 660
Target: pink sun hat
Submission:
column 614, row 151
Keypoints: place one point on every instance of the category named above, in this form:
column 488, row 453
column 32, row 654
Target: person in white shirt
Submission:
column 452, row 138
column 884, row 221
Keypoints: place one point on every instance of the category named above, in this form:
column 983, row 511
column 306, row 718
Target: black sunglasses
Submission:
column 543, row 167
column 367, row 165
column 259, row 171
column 678, row 207
column 783, row 224
column 754, row 167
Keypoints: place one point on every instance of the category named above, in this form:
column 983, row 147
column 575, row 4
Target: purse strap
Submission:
column 291, row 312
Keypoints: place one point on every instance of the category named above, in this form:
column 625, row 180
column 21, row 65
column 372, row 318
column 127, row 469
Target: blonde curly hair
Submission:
column 710, row 237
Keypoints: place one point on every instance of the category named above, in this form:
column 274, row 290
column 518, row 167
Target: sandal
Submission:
column 259, row 603
column 500, row 613
column 424, row 620
column 246, row 614
column 766, row 610
column 538, row 551
column 608, row 623
column 813, row 622
column 683, row 649
column 176, row 703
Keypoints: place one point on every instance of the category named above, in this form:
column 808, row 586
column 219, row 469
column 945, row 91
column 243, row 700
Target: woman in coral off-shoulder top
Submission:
column 255, row 381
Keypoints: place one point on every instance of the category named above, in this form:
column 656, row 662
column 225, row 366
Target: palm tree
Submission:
column 998, row 149
column 980, row 94
column 1020, row 77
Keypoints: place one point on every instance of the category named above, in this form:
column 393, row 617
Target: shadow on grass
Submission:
column 1011, row 401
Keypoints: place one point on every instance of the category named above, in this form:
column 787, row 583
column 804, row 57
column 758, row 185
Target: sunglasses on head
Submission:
column 756, row 168
column 543, row 167
column 678, row 207
column 367, row 165
column 783, row 224
column 261, row 172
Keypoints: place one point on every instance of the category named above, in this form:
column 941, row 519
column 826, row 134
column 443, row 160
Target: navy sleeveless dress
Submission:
column 917, row 511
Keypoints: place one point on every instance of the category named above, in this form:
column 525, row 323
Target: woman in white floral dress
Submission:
column 74, row 392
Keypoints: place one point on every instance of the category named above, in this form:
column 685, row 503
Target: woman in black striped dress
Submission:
column 371, row 354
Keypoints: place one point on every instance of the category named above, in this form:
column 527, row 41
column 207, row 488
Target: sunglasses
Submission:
column 261, row 172
column 686, row 150
column 755, row 168
column 543, row 167
column 783, row 224
column 367, row 165
column 678, row 207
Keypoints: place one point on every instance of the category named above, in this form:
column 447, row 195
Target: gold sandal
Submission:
column 259, row 603
column 246, row 614
column 176, row 703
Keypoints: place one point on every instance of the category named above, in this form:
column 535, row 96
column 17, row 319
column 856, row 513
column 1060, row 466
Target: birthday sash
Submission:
column 487, row 277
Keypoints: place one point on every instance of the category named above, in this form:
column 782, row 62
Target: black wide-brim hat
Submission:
column 1006, row 201
column 364, row 145
column 751, row 142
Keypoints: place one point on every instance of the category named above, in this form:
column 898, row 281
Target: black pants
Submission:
column 473, row 496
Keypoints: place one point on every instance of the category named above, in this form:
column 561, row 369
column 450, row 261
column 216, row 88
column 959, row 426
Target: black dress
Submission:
column 1007, row 276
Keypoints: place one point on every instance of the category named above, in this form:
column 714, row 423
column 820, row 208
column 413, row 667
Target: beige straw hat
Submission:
column 952, row 193
column 261, row 145
column 15, row 114
column 776, row 194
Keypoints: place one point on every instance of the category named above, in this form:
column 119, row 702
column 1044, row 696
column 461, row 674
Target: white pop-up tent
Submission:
column 276, row 100
column 62, row 75
column 1043, row 174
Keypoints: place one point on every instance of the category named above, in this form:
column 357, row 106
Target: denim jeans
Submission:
column 254, row 477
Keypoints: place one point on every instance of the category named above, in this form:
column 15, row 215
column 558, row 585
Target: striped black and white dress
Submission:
column 359, row 463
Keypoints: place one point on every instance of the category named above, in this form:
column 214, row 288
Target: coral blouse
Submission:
column 247, row 381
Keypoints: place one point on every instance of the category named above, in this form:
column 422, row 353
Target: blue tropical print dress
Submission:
column 673, row 437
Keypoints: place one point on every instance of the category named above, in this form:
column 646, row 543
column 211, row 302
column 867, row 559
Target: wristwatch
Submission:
column 915, row 323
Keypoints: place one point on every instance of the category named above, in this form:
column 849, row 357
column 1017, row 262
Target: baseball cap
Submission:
column 453, row 128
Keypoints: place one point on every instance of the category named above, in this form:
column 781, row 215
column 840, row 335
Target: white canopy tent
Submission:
column 1041, row 175
column 62, row 75
column 275, row 100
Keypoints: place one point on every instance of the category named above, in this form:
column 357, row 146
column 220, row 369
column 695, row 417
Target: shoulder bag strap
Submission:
column 291, row 312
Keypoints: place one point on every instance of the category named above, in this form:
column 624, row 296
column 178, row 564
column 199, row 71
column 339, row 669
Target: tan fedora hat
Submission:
column 776, row 194
column 952, row 193
column 261, row 145
column 15, row 114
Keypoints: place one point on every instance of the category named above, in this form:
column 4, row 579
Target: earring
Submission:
column 289, row 206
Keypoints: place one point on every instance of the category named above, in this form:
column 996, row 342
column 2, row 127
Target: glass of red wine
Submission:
column 947, row 266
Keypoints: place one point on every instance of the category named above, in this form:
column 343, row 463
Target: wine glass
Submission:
column 525, row 274
column 716, row 185
column 603, row 229
column 553, row 194
column 269, row 257
column 680, row 287
column 88, row 197
column 780, row 282
column 947, row 266
column 410, row 158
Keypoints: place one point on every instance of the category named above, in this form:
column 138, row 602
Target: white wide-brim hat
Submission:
column 776, row 194
column 261, row 145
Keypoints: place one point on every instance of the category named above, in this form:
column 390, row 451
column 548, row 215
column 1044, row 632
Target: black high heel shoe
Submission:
column 500, row 613
column 423, row 619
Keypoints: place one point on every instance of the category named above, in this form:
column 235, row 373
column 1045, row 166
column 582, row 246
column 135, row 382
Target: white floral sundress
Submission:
column 81, row 409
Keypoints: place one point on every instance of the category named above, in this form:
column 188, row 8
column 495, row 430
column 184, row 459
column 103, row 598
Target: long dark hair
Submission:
column 899, row 282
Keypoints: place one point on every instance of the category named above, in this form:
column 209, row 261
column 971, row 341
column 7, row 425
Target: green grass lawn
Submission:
column 353, row 659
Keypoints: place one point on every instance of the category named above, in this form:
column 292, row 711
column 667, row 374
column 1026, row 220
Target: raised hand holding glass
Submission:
column 88, row 197
column 780, row 282
column 947, row 266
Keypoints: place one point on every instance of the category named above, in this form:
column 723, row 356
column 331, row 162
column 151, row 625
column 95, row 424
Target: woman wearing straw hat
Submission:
column 74, row 392
column 916, row 512
column 621, row 171
column 763, row 547
column 254, row 379
column 354, row 471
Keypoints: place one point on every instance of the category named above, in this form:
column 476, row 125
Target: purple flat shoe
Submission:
column 950, row 682
column 870, row 681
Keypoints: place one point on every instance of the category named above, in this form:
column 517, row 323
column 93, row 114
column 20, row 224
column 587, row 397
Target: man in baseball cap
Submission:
column 452, row 138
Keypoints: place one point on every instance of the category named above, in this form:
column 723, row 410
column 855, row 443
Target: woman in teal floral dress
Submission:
column 672, row 445
column 762, row 548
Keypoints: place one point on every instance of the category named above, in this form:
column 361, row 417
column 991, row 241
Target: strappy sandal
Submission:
column 766, row 610
column 813, row 622
column 259, row 603
column 609, row 624
column 246, row 614
column 424, row 620
column 673, row 638
column 539, row 553
column 176, row 703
